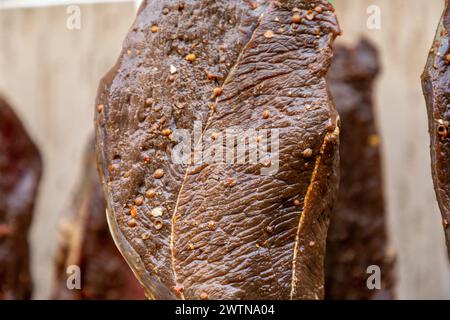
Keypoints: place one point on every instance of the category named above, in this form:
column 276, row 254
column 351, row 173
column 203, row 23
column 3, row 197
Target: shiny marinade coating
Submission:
column 357, row 237
column 20, row 173
column 221, row 231
column 85, row 241
column 436, row 89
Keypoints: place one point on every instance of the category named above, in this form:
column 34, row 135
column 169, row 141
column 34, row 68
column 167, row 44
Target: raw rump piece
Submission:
column 436, row 89
column 85, row 242
column 216, row 230
column 20, row 173
column 357, row 237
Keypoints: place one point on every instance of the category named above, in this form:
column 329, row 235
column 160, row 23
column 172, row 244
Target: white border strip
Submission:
column 16, row 4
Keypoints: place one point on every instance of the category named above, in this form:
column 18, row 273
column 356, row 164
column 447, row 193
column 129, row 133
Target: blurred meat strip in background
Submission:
column 357, row 236
column 20, row 173
column 85, row 242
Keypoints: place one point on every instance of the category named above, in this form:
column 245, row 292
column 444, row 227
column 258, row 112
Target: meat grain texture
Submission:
column 221, row 230
column 357, row 237
column 20, row 173
column 85, row 242
column 436, row 89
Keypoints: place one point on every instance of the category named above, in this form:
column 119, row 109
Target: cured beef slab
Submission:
column 357, row 237
column 222, row 230
column 20, row 173
column 85, row 242
column 436, row 89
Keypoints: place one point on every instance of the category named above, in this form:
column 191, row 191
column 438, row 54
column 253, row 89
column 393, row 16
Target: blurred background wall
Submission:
column 50, row 74
column 404, row 39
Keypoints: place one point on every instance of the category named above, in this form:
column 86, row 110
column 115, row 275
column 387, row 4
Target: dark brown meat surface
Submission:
column 85, row 241
column 357, row 237
column 222, row 230
column 20, row 173
column 436, row 89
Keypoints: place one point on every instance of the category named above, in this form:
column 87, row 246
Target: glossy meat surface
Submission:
column 221, row 230
column 436, row 89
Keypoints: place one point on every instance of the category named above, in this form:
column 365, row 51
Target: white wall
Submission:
column 50, row 74
column 406, row 34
